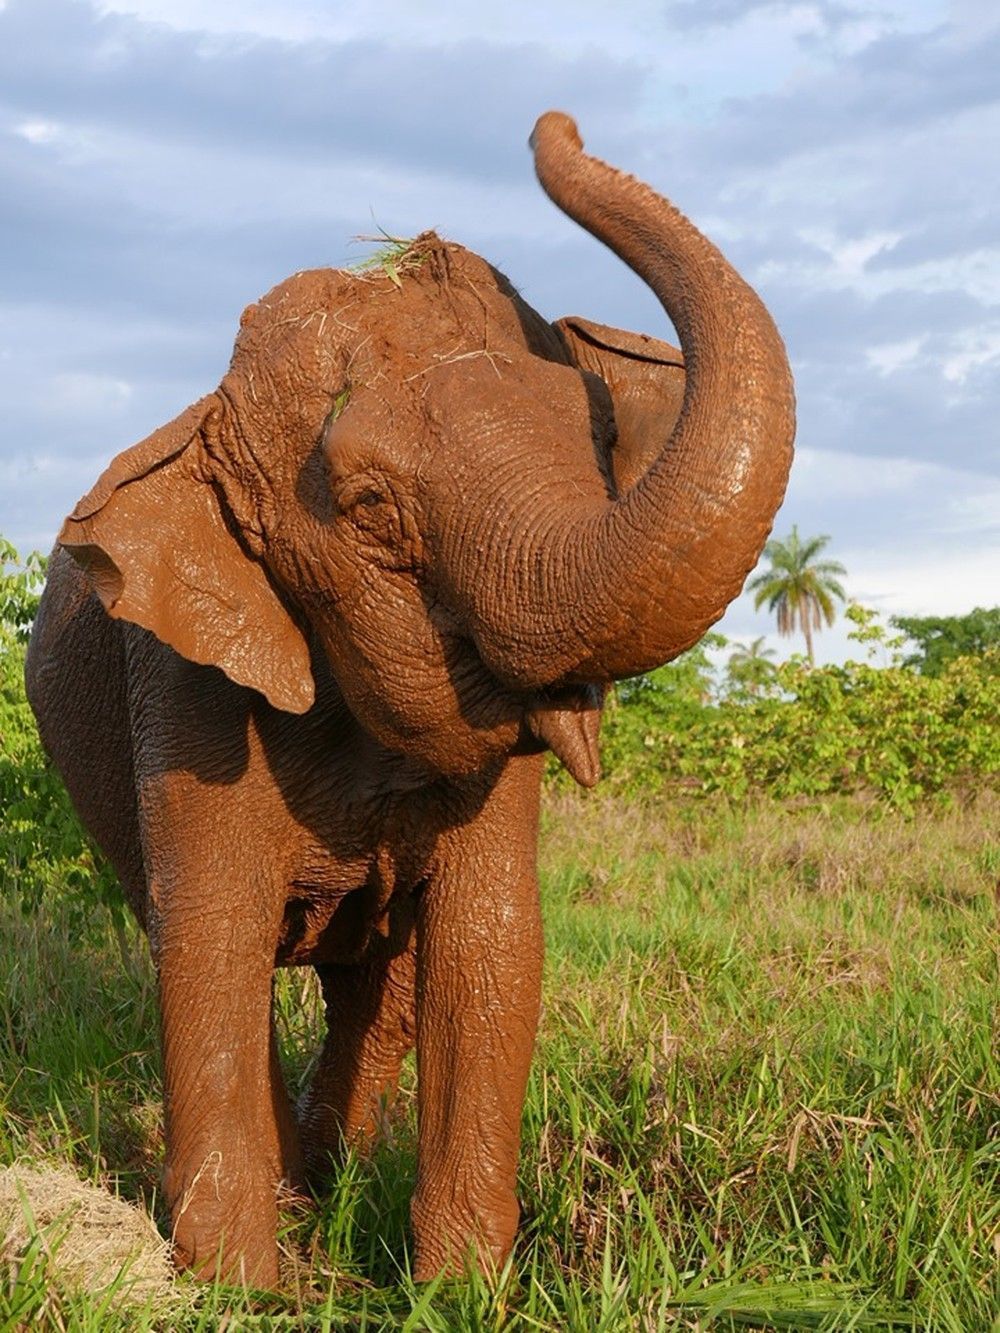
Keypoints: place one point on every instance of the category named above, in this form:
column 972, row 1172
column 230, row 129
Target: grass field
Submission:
column 765, row 1091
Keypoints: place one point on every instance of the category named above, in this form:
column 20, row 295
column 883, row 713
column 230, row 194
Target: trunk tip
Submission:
column 554, row 125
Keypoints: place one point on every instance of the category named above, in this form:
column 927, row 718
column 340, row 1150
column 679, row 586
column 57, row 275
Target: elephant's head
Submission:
column 478, row 517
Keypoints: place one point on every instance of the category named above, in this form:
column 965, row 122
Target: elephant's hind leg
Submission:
column 288, row 1165
column 370, row 1028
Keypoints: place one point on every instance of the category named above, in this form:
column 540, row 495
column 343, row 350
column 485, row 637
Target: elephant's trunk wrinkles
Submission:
column 619, row 591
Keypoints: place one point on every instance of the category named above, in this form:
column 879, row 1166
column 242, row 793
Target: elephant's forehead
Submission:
column 401, row 320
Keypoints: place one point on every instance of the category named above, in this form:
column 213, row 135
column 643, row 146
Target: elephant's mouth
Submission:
column 567, row 720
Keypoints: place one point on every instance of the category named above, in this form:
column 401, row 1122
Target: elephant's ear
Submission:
column 646, row 379
column 160, row 549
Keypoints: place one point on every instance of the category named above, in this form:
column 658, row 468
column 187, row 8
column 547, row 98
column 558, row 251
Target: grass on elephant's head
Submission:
column 392, row 256
column 764, row 1093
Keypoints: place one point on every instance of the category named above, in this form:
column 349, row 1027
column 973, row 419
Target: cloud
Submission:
column 829, row 475
column 978, row 511
column 890, row 357
column 879, row 502
column 902, row 84
column 445, row 107
column 37, row 131
column 976, row 349
column 937, row 581
column 583, row 27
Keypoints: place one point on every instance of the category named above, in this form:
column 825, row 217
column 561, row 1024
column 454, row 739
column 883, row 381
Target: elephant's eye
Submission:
column 368, row 504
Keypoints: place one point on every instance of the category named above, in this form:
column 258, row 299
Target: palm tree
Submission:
column 748, row 667
column 798, row 586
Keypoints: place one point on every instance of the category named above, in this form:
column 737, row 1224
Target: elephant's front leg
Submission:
column 479, row 962
column 229, row 1130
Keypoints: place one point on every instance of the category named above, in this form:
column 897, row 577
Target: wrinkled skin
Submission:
column 302, row 650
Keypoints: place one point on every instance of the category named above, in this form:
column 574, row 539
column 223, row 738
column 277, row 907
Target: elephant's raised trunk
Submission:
column 624, row 589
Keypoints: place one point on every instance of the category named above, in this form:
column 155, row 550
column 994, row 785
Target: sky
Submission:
column 164, row 162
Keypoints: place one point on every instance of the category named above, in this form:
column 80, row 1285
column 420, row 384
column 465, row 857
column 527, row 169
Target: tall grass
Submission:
column 765, row 1091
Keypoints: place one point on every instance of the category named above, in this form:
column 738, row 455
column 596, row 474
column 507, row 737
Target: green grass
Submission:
column 764, row 1094
column 390, row 255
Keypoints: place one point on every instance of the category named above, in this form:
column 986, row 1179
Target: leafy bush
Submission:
column 855, row 728
column 20, row 589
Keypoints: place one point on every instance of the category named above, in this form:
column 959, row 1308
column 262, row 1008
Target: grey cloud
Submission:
column 230, row 111
column 844, row 323
column 913, row 411
column 450, row 107
column 898, row 83
column 948, row 236
column 67, row 235
column 693, row 14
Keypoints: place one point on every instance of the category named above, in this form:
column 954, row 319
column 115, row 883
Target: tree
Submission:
column 940, row 639
column 800, row 588
column 749, row 670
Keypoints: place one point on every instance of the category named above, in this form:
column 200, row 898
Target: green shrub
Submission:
column 857, row 728
column 840, row 729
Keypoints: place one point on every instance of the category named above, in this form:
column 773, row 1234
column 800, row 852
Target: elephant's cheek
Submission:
column 418, row 695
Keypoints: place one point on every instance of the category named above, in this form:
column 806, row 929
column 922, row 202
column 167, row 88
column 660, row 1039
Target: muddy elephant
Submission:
column 302, row 651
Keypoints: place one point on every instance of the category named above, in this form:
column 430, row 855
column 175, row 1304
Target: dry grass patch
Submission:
column 87, row 1239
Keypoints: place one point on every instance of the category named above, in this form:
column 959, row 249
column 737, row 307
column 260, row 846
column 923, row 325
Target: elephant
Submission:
column 303, row 650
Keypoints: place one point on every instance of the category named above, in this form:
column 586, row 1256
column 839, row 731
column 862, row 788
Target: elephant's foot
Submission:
column 452, row 1235
column 224, row 1218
